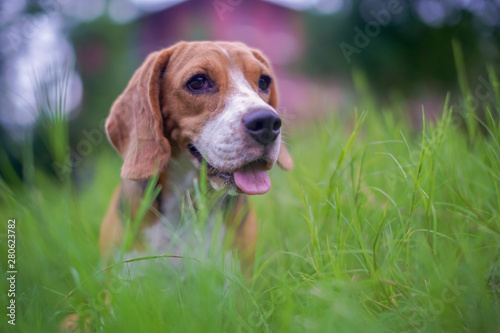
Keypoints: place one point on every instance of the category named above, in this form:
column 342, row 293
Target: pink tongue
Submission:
column 252, row 180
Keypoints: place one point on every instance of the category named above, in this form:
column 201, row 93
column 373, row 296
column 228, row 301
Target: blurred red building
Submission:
column 276, row 30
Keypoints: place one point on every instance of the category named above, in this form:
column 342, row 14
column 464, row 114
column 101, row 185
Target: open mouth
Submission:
column 251, row 178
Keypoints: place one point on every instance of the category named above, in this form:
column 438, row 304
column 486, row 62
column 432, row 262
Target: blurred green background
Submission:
column 402, row 47
column 389, row 222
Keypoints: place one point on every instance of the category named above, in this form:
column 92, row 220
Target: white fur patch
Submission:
column 223, row 141
column 176, row 233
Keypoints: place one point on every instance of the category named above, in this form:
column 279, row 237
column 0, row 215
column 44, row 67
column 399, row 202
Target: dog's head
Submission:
column 215, row 100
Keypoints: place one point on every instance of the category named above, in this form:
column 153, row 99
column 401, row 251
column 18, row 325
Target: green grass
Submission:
column 379, row 228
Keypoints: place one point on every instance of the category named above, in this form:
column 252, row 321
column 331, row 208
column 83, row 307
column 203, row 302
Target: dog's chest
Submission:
column 176, row 228
column 179, row 180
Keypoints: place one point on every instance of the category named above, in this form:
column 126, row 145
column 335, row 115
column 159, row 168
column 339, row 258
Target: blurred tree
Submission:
column 396, row 50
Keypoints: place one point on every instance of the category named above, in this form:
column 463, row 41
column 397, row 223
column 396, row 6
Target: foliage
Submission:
column 404, row 54
column 379, row 228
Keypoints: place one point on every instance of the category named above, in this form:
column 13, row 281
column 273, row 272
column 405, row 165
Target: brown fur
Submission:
column 152, row 121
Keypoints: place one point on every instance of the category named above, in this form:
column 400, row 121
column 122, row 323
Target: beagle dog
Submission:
column 190, row 103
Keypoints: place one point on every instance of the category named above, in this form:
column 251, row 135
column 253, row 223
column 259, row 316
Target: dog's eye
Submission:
column 264, row 82
column 197, row 82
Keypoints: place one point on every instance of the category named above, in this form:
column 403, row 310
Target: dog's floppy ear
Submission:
column 135, row 122
column 284, row 159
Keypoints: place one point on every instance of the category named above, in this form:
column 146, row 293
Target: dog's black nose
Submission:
column 263, row 126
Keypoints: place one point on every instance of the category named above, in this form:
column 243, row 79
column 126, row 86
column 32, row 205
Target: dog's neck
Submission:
column 176, row 182
column 172, row 231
